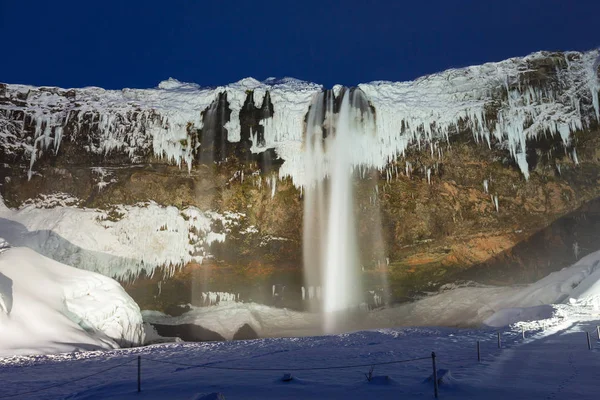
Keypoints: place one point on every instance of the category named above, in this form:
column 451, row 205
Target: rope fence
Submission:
column 285, row 368
column 589, row 333
column 180, row 364
column 42, row 389
column 433, row 357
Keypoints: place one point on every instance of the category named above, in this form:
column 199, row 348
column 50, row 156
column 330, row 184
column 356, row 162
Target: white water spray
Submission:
column 331, row 256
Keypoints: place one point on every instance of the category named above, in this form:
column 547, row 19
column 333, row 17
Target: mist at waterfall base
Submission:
column 330, row 246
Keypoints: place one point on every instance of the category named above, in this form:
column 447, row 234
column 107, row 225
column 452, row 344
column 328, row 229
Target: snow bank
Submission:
column 508, row 316
column 121, row 243
column 49, row 307
column 577, row 286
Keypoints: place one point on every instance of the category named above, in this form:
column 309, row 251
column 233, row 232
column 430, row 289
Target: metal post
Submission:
column 588, row 340
column 499, row 344
column 435, row 381
column 478, row 352
column 139, row 374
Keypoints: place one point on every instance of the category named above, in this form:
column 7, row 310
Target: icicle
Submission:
column 496, row 203
column 575, row 159
column 429, row 176
column 273, row 185
column 485, row 185
column 595, row 86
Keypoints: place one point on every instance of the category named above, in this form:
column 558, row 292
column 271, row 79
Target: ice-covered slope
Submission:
column 120, row 244
column 502, row 104
column 49, row 307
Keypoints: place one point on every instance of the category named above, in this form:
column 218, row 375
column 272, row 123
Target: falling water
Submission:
column 331, row 255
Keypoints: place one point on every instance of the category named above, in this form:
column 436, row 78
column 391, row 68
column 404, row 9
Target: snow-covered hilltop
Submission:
column 503, row 104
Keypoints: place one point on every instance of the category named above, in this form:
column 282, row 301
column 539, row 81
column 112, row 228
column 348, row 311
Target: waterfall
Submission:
column 331, row 255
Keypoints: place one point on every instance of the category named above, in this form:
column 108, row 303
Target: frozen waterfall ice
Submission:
column 331, row 255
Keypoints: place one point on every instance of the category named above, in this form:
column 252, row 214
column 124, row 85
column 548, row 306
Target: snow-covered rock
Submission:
column 120, row 244
column 504, row 104
column 49, row 307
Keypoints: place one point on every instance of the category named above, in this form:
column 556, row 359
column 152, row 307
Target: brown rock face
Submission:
column 473, row 216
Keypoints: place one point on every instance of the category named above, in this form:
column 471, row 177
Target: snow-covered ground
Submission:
column 48, row 307
column 555, row 363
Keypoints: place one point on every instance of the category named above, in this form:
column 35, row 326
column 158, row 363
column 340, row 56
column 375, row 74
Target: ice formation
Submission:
column 120, row 244
column 501, row 103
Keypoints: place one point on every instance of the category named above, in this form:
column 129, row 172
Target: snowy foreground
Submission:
column 554, row 363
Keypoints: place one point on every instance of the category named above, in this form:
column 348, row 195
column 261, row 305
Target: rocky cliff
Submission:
column 487, row 173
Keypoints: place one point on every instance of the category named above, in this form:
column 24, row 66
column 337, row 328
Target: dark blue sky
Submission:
column 126, row 43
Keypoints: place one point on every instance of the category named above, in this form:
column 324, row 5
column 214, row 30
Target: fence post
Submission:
column 588, row 340
column 139, row 374
column 435, row 381
column 499, row 344
column 478, row 352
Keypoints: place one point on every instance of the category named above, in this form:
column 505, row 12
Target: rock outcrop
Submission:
column 469, row 173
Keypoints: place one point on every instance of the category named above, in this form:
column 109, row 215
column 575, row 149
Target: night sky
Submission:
column 116, row 44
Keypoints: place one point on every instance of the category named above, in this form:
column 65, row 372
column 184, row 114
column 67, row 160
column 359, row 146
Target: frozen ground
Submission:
column 554, row 363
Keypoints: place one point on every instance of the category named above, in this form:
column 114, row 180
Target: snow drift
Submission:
column 577, row 285
column 49, row 307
